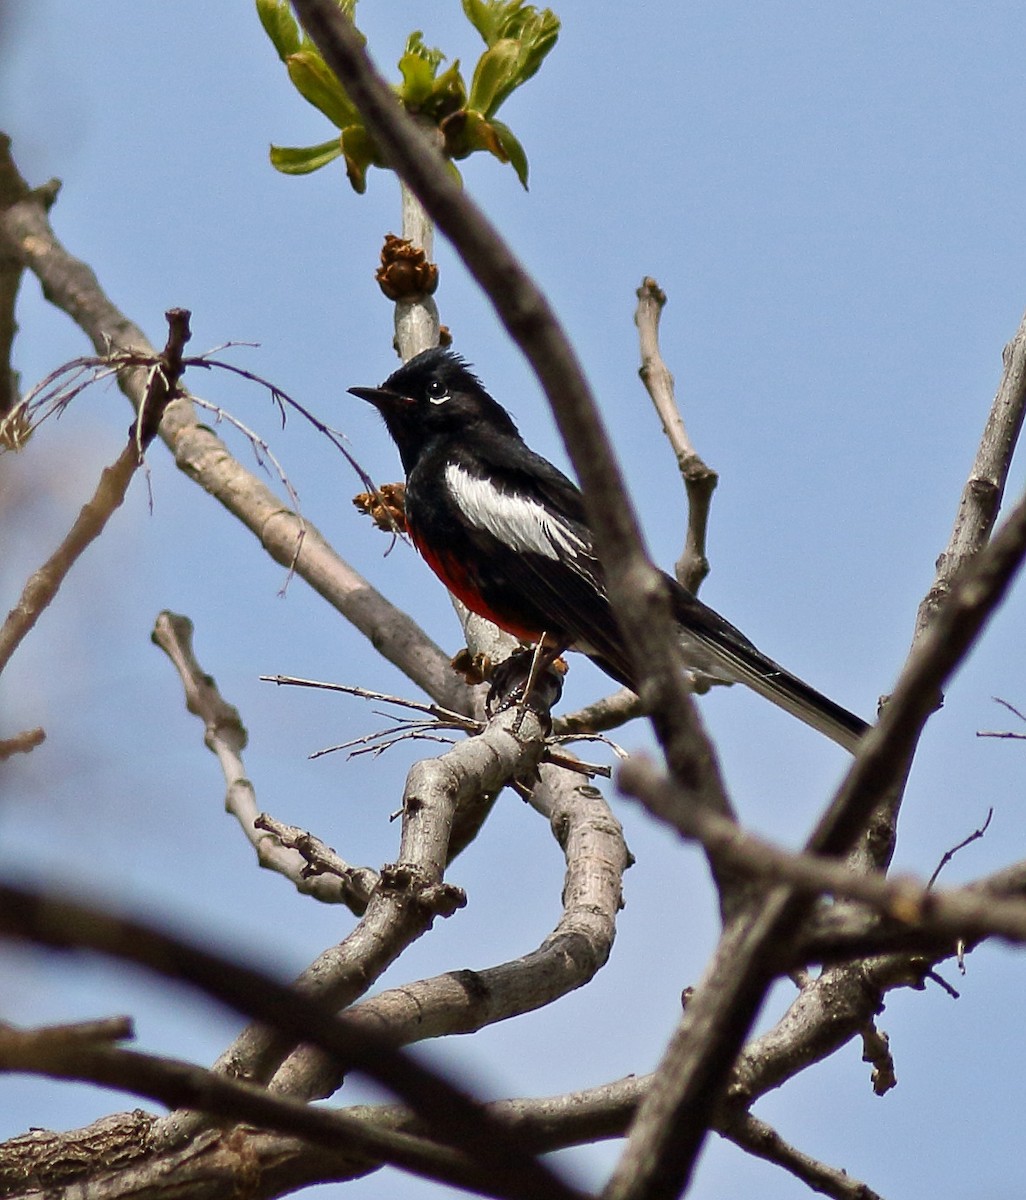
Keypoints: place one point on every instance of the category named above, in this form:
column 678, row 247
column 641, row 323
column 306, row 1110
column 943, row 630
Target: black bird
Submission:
column 506, row 532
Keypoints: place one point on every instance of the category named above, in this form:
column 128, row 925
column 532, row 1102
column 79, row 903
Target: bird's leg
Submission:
column 529, row 678
column 536, row 667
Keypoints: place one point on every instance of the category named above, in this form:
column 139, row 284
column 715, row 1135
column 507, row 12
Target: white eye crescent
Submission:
column 437, row 392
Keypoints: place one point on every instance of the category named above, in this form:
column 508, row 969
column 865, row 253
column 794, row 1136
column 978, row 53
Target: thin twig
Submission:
column 1011, row 708
column 386, row 739
column 43, row 585
column 321, row 859
column 764, row 1142
column 283, row 400
column 21, row 743
column 950, row 854
column 1005, row 733
column 458, row 720
column 262, row 450
column 444, row 718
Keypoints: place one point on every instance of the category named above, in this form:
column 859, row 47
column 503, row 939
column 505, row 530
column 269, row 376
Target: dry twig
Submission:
column 164, row 372
column 21, row 743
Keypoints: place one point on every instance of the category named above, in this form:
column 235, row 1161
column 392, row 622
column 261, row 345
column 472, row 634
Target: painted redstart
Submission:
column 506, row 532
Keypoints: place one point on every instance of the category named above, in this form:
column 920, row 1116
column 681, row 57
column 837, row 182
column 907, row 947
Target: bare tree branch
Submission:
column 12, row 189
column 610, row 712
column 57, row 1039
column 42, row 917
column 764, row 1142
column 984, row 489
column 72, row 286
column 180, row 1084
column 410, row 894
column 335, row 881
column 948, row 855
column 833, row 1007
column 578, row 946
column 699, row 480
column 957, row 913
column 670, row 1125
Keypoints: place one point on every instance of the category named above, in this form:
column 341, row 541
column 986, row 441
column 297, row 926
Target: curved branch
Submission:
column 579, row 945
column 699, row 480
column 410, row 895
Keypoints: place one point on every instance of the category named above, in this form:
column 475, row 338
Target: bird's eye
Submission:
column 437, row 392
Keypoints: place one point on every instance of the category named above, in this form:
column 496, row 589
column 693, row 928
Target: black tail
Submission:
column 712, row 645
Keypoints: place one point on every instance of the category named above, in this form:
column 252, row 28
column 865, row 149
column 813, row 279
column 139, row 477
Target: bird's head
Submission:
column 432, row 397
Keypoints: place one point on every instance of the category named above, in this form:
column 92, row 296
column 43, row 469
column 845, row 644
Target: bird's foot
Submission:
column 528, row 680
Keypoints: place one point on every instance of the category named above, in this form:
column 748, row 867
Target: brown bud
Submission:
column 405, row 273
column 385, row 507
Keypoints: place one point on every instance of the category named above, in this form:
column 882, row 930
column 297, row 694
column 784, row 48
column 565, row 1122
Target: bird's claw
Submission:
column 512, row 685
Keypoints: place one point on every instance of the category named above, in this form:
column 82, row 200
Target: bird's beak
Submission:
column 381, row 398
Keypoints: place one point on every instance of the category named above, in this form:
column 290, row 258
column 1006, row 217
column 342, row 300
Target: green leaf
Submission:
column 361, row 152
column 315, row 82
column 518, row 37
column 544, row 35
column 483, row 17
column 495, row 76
column 498, row 19
column 430, row 54
column 537, row 37
column 418, row 71
column 301, row 160
column 279, row 25
column 513, row 150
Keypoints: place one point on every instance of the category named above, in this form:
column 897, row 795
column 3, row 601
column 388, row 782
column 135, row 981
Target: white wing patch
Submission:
column 519, row 523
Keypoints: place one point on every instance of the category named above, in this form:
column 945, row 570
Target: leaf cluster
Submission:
column 517, row 38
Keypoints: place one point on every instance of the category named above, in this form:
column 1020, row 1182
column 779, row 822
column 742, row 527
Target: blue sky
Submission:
column 832, row 198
